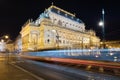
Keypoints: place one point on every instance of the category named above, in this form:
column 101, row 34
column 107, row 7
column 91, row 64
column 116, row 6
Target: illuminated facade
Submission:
column 2, row 46
column 112, row 44
column 56, row 28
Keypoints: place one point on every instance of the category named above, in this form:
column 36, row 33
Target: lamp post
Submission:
column 102, row 23
column 4, row 39
column 7, row 40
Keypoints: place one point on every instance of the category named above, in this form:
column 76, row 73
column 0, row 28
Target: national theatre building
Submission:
column 56, row 28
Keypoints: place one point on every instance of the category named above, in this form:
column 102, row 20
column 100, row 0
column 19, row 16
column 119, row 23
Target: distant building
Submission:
column 6, row 46
column 56, row 28
column 112, row 44
column 2, row 46
column 18, row 44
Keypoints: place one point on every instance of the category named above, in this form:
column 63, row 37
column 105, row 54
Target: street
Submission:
column 9, row 72
column 17, row 68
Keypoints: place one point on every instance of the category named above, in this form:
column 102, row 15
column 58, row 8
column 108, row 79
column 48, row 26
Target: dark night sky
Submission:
column 14, row 13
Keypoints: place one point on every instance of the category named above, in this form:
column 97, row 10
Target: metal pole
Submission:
column 103, row 29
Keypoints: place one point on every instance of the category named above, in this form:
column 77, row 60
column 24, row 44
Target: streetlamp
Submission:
column 6, row 36
column 5, row 40
column 57, row 36
column 2, row 40
column 102, row 23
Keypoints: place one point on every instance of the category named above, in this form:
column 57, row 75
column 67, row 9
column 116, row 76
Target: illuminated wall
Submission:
column 29, row 36
column 57, row 28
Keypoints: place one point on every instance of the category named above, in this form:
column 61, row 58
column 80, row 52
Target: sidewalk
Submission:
column 10, row 72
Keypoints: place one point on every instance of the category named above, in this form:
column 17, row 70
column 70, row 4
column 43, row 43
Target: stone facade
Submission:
column 56, row 28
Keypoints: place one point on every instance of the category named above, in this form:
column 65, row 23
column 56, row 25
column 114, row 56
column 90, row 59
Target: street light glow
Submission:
column 103, row 12
column 101, row 23
column 6, row 37
column 2, row 40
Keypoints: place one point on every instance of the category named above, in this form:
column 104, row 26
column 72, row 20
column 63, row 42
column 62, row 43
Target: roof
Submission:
column 64, row 13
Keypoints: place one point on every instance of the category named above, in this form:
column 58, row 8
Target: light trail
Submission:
column 76, row 61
